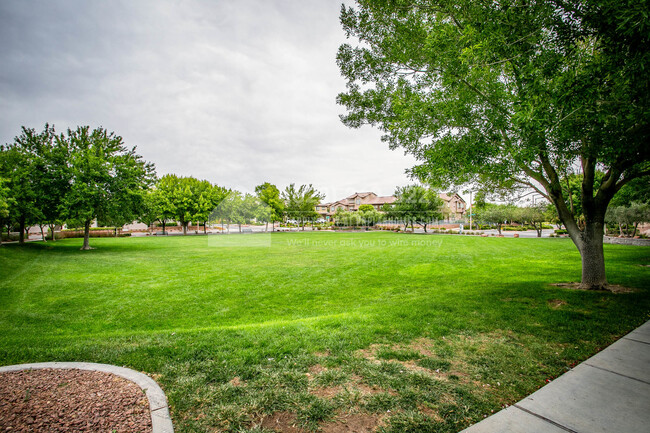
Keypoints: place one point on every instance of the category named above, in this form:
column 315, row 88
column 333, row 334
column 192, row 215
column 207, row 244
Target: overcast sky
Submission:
column 236, row 92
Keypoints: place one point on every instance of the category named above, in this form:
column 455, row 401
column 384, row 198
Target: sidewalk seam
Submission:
column 543, row 418
column 613, row 372
column 636, row 341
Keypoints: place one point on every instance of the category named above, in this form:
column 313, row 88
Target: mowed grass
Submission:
column 401, row 333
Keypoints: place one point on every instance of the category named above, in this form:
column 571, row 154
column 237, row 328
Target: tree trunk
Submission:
column 86, row 245
column 21, row 235
column 593, row 258
column 163, row 223
column 184, row 228
column 42, row 234
column 205, row 227
column 499, row 228
column 52, row 226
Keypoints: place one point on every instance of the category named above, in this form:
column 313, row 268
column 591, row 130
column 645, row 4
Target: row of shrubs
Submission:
column 94, row 232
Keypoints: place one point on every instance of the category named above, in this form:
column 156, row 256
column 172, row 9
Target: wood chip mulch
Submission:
column 70, row 400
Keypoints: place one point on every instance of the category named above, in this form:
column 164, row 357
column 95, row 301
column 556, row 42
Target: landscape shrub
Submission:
column 561, row 232
column 97, row 233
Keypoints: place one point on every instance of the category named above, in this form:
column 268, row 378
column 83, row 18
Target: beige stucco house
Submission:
column 353, row 202
column 455, row 206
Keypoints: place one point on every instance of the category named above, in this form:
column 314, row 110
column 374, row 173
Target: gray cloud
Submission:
column 234, row 92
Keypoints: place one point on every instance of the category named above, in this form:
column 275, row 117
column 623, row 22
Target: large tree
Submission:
column 509, row 93
column 22, row 164
column 109, row 180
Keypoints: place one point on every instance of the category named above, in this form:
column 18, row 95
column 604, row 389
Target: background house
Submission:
column 455, row 206
column 352, row 203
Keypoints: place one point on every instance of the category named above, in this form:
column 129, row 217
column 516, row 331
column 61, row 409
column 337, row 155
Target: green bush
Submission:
column 561, row 232
column 95, row 232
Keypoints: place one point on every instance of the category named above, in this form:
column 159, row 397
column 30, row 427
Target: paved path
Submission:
column 609, row 392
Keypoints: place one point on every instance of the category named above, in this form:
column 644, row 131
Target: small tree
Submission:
column 496, row 214
column 151, row 211
column 534, row 215
column 164, row 198
column 629, row 216
column 416, row 204
column 270, row 195
column 369, row 215
column 300, row 203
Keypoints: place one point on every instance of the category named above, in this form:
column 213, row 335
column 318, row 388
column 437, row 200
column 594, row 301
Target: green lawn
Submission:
column 409, row 332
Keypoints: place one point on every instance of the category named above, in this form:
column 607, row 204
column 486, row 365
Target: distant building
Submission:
column 455, row 206
column 352, row 203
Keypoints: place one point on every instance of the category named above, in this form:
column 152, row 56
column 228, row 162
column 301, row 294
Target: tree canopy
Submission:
column 508, row 94
column 270, row 195
column 300, row 203
column 108, row 179
column 186, row 199
column 416, row 204
column 21, row 164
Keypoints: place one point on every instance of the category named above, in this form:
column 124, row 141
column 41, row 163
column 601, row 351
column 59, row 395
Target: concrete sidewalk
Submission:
column 609, row 392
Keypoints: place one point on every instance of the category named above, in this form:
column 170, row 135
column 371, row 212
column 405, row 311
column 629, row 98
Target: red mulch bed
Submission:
column 69, row 400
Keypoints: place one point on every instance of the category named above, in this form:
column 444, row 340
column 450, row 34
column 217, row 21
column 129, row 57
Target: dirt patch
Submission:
column 284, row 422
column 369, row 353
column 236, row 381
column 69, row 400
column 326, row 391
column 322, row 354
column 353, row 423
column 430, row 413
column 423, row 346
column 614, row 288
column 369, row 390
column 556, row 303
column 316, row 369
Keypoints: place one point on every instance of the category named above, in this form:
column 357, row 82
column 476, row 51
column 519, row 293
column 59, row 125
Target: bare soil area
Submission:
column 614, row 288
column 69, row 400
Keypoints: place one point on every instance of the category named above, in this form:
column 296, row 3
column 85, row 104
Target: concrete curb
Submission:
column 161, row 422
column 609, row 392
